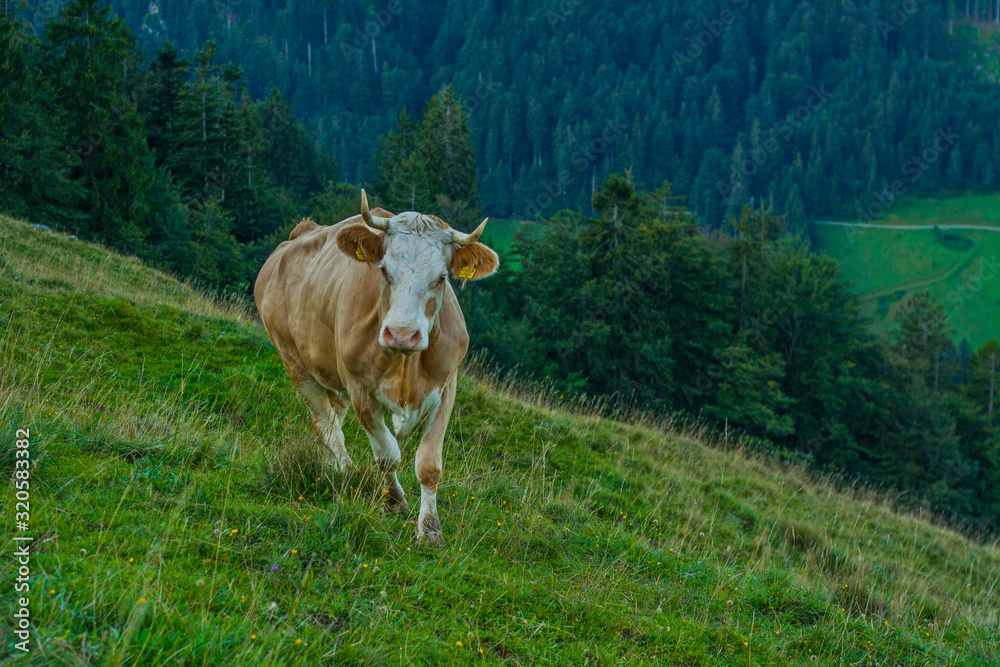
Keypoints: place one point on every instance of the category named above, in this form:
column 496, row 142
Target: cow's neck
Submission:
column 404, row 378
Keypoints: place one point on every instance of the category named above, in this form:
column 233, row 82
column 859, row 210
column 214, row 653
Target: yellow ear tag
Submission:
column 360, row 254
column 464, row 273
column 472, row 273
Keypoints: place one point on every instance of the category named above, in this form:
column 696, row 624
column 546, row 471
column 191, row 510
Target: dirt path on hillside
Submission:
column 874, row 226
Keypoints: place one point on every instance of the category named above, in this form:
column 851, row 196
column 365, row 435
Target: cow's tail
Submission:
column 306, row 225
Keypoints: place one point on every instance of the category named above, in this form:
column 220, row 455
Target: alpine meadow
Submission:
column 350, row 332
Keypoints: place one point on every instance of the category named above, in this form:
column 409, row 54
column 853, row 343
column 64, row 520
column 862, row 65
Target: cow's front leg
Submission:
column 387, row 456
column 384, row 448
column 428, row 466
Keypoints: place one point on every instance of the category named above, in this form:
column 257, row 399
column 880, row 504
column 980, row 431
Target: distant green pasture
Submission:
column 500, row 232
column 888, row 265
column 963, row 210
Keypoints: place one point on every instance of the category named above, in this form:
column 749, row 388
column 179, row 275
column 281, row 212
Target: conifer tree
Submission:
column 95, row 67
column 448, row 159
column 34, row 174
column 165, row 79
column 923, row 341
column 430, row 167
column 981, row 384
column 394, row 148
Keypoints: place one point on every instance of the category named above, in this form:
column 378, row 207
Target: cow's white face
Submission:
column 414, row 254
column 414, row 269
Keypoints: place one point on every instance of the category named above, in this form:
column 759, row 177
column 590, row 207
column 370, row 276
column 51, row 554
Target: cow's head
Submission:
column 415, row 253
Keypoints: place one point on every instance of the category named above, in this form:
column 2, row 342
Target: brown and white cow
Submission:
column 363, row 311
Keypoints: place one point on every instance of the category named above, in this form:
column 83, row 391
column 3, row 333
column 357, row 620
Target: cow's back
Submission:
column 282, row 291
column 287, row 267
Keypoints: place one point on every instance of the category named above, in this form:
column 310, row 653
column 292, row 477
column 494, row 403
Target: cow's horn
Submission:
column 374, row 221
column 467, row 239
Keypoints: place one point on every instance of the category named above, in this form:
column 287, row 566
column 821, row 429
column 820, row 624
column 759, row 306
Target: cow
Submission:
column 363, row 312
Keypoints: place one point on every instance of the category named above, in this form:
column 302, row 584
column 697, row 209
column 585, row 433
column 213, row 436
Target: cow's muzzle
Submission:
column 401, row 340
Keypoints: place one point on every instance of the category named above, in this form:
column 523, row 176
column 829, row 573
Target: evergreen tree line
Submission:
column 170, row 160
column 751, row 331
column 815, row 109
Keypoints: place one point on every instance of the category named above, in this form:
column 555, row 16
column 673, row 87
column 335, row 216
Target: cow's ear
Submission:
column 361, row 243
column 473, row 261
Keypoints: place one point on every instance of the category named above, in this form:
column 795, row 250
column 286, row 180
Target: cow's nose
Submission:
column 401, row 339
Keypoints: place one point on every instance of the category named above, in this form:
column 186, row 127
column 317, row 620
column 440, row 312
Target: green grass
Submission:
column 883, row 259
column 180, row 516
column 500, row 235
column 500, row 232
column 958, row 210
column 887, row 266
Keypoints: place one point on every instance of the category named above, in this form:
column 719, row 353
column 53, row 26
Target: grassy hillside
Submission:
column 500, row 234
column 963, row 210
column 180, row 516
column 501, row 231
column 960, row 268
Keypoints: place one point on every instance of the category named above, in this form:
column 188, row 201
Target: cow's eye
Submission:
column 385, row 274
column 441, row 279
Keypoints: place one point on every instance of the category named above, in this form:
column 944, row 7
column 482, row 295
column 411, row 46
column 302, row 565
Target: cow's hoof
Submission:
column 431, row 539
column 395, row 505
column 335, row 467
column 429, row 531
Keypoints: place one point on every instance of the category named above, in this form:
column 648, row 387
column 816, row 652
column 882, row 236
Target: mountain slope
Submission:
column 179, row 515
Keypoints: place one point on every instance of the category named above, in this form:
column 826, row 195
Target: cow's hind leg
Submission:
column 328, row 411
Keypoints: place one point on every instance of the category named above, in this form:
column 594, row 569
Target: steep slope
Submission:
column 179, row 516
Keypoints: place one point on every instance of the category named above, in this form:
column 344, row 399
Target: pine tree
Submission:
column 446, row 155
column 632, row 300
column 393, row 174
column 748, row 396
column 166, row 79
column 286, row 147
column 34, row 174
column 924, row 338
column 981, row 382
column 95, row 67
column 198, row 160
column 754, row 231
column 430, row 167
